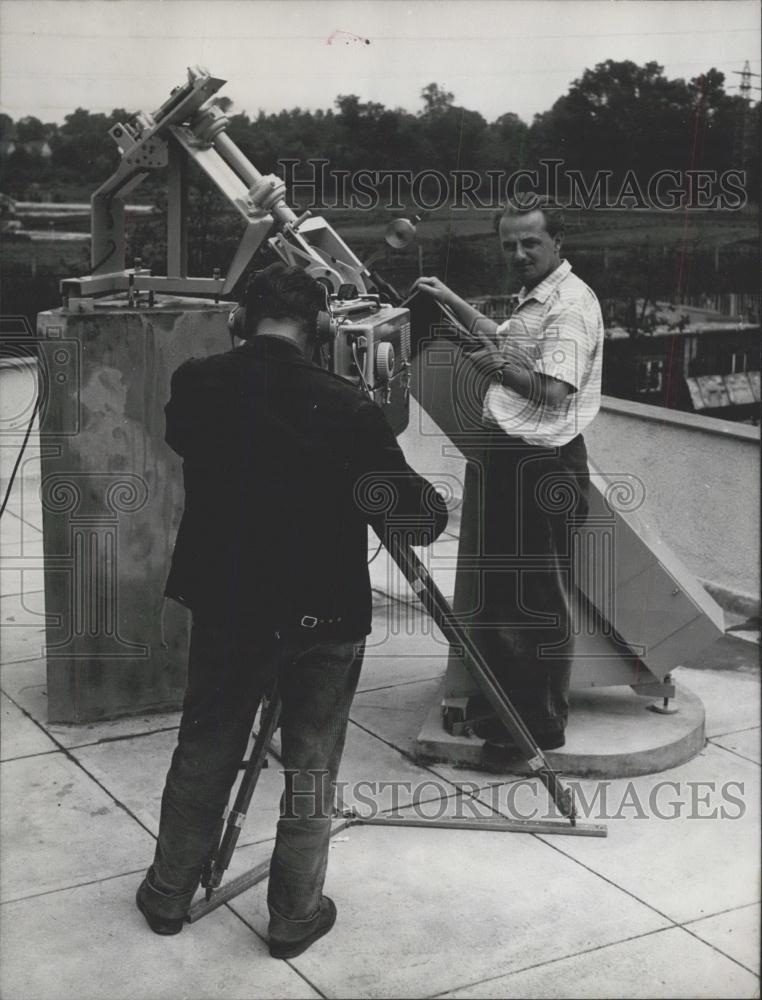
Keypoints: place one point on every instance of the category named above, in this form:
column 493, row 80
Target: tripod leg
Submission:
column 271, row 708
column 206, row 873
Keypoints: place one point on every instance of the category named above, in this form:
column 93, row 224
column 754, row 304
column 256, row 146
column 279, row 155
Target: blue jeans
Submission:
column 227, row 676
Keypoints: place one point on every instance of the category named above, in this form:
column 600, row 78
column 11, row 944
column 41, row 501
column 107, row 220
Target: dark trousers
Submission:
column 227, row 676
column 530, row 499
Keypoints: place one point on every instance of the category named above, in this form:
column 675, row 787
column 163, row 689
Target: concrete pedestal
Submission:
column 112, row 497
column 636, row 612
column 612, row 734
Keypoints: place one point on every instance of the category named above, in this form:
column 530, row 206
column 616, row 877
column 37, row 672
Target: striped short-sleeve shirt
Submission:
column 560, row 321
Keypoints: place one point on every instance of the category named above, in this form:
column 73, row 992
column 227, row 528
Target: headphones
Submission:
column 237, row 321
column 326, row 326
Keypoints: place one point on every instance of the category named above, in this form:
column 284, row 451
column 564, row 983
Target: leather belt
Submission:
column 308, row 622
column 311, row 621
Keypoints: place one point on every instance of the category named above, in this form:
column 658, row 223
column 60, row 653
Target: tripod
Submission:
column 435, row 604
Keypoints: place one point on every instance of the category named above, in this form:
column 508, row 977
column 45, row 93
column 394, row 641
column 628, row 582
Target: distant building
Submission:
column 693, row 359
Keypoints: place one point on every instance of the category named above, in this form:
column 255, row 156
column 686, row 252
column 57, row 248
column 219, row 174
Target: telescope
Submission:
column 368, row 337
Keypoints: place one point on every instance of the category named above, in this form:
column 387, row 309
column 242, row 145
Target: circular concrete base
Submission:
column 611, row 734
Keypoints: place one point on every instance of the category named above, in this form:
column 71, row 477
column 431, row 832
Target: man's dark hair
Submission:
column 552, row 213
column 281, row 291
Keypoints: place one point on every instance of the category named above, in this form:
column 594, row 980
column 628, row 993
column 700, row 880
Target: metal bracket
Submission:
column 664, row 689
column 454, row 716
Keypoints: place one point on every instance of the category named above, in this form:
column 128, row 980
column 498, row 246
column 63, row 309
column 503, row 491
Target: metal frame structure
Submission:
column 190, row 128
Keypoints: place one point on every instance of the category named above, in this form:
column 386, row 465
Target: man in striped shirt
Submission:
column 542, row 371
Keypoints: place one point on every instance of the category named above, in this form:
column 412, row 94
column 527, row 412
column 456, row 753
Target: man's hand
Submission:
column 481, row 333
column 436, row 289
column 515, row 357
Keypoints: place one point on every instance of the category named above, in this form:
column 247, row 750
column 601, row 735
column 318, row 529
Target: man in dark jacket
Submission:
column 285, row 465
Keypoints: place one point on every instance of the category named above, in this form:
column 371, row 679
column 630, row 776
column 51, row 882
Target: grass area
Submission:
column 707, row 229
column 46, row 254
column 594, row 229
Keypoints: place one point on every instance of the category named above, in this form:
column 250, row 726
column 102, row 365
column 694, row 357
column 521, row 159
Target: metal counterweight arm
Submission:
column 435, row 604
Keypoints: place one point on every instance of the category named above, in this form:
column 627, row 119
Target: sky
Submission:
column 494, row 55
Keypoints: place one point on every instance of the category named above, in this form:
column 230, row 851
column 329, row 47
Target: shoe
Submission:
column 326, row 920
column 551, row 741
column 496, row 734
column 159, row 925
column 486, row 726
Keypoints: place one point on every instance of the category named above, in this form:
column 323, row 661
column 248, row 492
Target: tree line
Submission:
column 617, row 117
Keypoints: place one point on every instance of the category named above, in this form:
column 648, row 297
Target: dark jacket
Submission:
column 285, row 465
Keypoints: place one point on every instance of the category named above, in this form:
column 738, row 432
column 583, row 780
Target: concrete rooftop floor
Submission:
column 661, row 908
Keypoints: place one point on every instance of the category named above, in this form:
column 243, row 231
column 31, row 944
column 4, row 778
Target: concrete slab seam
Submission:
column 734, row 752
column 542, row 837
column 288, row 962
column 22, row 519
column 26, row 756
column 715, row 948
column 732, row 732
column 21, row 593
column 650, row 906
column 720, row 913
column 550, row 961
column 74, row 885
column 65, row 751
column 387, row 687
column 403, row 753
column 127, row 736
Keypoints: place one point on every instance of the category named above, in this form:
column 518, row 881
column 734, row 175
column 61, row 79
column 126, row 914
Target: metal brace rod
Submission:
column 259, row 873
column 435, row 604
column 489, row 824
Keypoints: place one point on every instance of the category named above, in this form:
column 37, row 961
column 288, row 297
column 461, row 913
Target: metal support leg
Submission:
column 669, row 692
column 177, row 213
